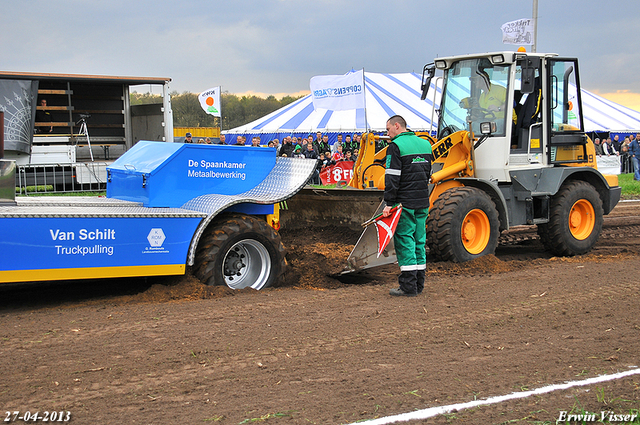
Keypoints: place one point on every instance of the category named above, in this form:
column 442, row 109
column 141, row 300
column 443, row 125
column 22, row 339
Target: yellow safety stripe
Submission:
column 12, row 276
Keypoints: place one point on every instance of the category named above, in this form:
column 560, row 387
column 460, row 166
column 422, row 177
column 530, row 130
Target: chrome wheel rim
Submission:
column 246, row 265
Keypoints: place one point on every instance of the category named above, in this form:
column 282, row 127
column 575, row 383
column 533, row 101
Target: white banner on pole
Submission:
column 518, row 32
column 338, row 92
column 210, row 101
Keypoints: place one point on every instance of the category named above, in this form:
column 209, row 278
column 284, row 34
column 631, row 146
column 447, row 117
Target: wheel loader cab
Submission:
column 524, row 111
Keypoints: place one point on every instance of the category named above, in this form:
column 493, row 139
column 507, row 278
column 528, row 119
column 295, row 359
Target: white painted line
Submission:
column 434, row 411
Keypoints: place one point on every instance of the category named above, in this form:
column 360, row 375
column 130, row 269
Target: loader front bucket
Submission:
column 346, row 207
column 365, row 252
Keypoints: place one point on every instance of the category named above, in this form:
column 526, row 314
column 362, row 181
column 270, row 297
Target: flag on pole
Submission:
column 338, row 92
column 210, row 101
column 386, row 227
column 518, row 32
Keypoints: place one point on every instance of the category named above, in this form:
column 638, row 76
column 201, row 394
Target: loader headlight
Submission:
column 497, row 59
column 440, row 64
column 488, row 127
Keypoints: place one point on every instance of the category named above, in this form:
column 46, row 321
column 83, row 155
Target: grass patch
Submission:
column 630, row 187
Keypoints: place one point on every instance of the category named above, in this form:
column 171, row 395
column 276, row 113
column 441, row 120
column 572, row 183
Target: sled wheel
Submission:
column 462, row 225
column 241, row 252
column 575, row 220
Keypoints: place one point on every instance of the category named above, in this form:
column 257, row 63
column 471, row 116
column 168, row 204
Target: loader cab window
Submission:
column 567, row 139
column 565, row 101
column 527, row 110
column 475, row 92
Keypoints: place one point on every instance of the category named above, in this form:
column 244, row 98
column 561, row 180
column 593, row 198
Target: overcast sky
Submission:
column 276, row 46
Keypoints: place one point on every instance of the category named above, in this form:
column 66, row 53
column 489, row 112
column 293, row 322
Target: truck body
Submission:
column 169, row 206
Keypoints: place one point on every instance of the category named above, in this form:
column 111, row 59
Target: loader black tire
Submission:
column 240, row 251
column 575, row 220
column 463, row 224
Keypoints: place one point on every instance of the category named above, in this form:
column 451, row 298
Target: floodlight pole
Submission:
column 535, row 26
column 364, row 93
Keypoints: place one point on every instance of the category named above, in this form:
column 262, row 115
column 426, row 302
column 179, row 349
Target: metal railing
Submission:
column 59, row 178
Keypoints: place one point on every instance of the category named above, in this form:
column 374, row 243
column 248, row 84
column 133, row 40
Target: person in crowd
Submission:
column 325, row 143
column 608, row 148
column 270, row 144
column 634, row 151
column 626, row 160
column 277, row 145
column 297, row 152
column 319, row 145
column 340, row 142
column 357, row 138
column 310, row 153
column 348, row 156
column 350, row 144
column 207, row 140
column 625, row 142
column 381, row 144
column 354, row 155
column 287, row 147
column 255, row 141
column 43, row 115
column 327, row 161
column 201, row 141
column 408, row 169
column 187, row 138
column 241, row 141
column 598, row 146
column 222, row 140
column 303, row 143
column 617, row 144
column 310, row 140
column 338, row 155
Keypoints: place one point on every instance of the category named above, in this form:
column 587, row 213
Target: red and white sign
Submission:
column 386, row 227
column 341, row 171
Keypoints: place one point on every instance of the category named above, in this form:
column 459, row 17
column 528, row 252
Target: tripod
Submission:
column 84, row 131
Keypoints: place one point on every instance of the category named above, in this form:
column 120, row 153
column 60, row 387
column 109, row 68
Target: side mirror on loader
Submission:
column 429, row 71
column 527, row 80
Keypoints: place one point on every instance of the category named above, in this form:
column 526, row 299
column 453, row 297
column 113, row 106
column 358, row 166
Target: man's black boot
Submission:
column 420, row 274
column 407, row 281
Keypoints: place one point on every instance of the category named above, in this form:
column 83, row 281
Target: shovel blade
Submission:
column 365, row 252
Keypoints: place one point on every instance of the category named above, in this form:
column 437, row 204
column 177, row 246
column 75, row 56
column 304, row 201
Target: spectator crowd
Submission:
column 628, row 150
column 316, row 146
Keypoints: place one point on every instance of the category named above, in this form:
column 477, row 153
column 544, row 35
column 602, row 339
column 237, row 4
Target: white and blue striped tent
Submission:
column 604, row 116
column 391, row 94
column 385, row 96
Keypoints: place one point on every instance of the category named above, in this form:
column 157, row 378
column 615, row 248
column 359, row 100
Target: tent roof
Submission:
column 391, row 94
column 601, row 114
column 385, row 95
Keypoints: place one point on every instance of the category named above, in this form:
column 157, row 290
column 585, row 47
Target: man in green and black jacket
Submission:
column 407, row 182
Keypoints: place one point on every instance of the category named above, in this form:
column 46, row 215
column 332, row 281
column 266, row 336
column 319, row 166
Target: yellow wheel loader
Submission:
column 510, row 150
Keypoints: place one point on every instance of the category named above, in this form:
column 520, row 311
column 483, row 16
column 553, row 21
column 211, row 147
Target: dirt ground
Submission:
column 317, row 350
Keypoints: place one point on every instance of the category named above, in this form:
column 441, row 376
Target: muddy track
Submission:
column 318, row 351
column 625, row 223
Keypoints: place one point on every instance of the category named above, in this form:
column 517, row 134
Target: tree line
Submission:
column 236, row 110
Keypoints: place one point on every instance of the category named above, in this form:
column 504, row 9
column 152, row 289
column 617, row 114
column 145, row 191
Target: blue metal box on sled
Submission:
column 159, row 174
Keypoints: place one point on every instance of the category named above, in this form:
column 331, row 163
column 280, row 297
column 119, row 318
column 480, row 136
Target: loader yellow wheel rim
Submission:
column 476, row 231
column 582, row 219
